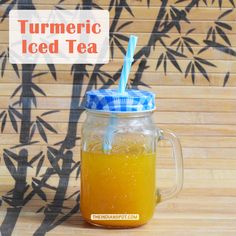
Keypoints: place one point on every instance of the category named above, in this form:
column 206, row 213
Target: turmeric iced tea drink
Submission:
column 119, row 183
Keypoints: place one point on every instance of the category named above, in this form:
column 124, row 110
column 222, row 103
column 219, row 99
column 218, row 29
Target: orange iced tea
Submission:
column 118, row 183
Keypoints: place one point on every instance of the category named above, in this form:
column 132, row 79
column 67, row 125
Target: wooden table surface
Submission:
column 204, row 207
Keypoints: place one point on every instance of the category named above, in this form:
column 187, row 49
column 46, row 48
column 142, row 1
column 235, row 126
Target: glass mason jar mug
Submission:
column 118, row 156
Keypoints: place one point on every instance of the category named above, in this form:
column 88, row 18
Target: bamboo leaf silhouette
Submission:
column 101, row 78
column 26, row 189
column 38, row 89
column 202, row 70
column 52, row 70
column 220, row 2
column 126, row 6
column 193, row 74
column 214, row 35
column 77, row 164
column 54, row 162
column 15, row 67
column 24, row 144
column 32, row 131
column 112, row 49
column 203, row 49
column 16, row 91
column 226, row 78
column 137, row 77
column 61, row 212
column 44, row 184
column 4, row 119
column 15, row 112
column 159, row 60
column 173, row 61
column 49, row 112
column 220, row 47
column 41, row 131
column 72, row 195
column 179, row 1
column 39, row 192
column 13, row 120
column 49, row 172
column 165, row 20
column 223, row 25
column 225, row 14
column 3, row 65
column 2, row 54
column 59, row 8
column 46, row 125
column 9, row 201
column 11, row 155
column 10, row 166
column 232, row 2
column 119, row 45
column 165, row 64
column 223, row 35
column 40, row 209
column 122, row 37
column 53, row 151
column 10, row 192
column 111, row 5
column 78, row 172
column 34, row 101
column 177, row 15
column 194, row 3
column 105, row 74
column 123, row 25
column 35, row 158
column 175, row 22
column 188, row 69
column 175, row 41
column 1, row 114
column 9, row 8
column 40, row 164
column 17, row 103
column 190, row 31
column 188, row 47
column 170, row 54
column 190, row 40
column 39, row 74
column 96, row 6
column 203, row 61
column 173, row 52
column 209, row 32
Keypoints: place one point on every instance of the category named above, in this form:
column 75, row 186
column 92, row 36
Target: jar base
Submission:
column 110, row 226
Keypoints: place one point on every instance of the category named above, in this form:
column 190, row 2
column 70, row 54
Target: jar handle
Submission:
column 178, row 158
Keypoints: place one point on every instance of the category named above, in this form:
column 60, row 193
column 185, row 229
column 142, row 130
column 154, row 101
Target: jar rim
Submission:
column 120, row 114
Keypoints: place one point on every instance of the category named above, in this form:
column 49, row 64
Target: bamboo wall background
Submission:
column 198, row 104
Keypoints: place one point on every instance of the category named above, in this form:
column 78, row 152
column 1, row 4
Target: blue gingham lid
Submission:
column 110, row 100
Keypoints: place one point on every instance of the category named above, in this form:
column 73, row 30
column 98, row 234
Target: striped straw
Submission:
column 127, row 63
column 107, row 143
